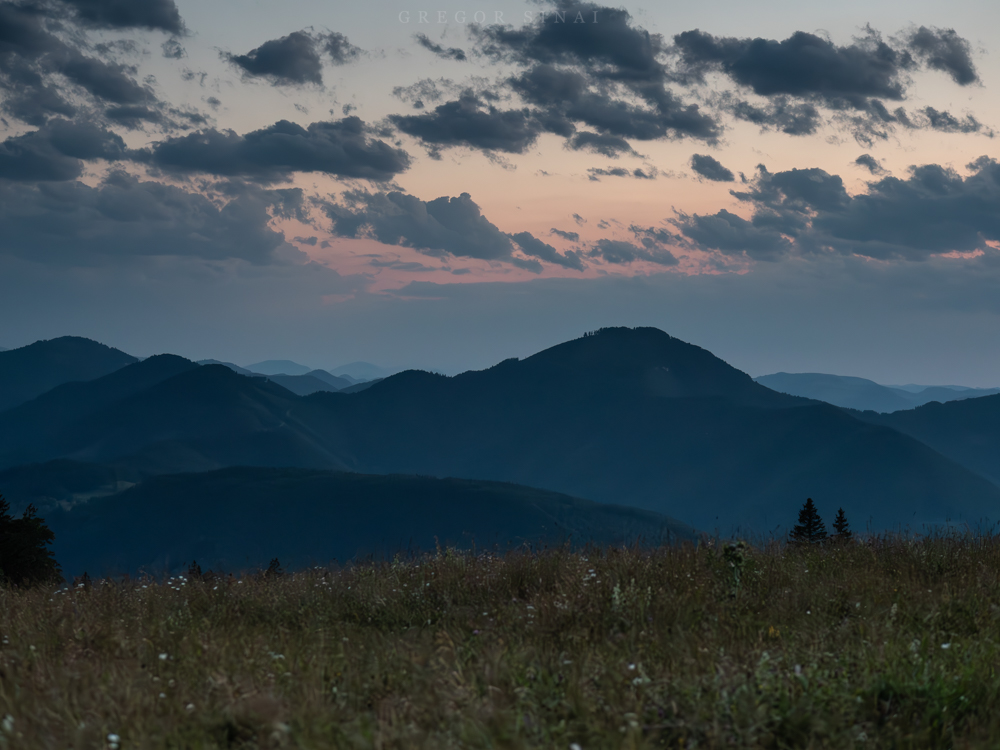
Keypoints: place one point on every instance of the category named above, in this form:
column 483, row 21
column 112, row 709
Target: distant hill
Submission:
column 56, row 483
column 278, row 367
column 865, row 395
column 364, row 385
column 230, row 365
column 303, row 385
column 361, row 371
column 240, row 518
column 34, row 369
column 331, row 379
column 633, row 417
column 966, row 431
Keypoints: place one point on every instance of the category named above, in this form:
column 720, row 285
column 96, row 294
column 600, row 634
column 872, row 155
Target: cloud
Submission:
column 535, row 248
column 472, row 122
column 618, row 252
column 157, row 15
column 341, row 147
column 44, row 75
column 445, row 53
column 446, row 226
column 711, row 169
column 808, row 211
column 944, row 50
column 71, row 222
column 638, row 173
column 870, row 163
column 607, row 145
column 579, row 220
column 571, row 236
column 604, row 75
column 852, row 82
column 173, row 49
column 57, row 151
column 294, row 60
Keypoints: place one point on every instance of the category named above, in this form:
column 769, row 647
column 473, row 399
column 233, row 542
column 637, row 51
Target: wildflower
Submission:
column 113, row 741
column 189, row 707
column 8, row 724
column 946, row 645
column 163, row 657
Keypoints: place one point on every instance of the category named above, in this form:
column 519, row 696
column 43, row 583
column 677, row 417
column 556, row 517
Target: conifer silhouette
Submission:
column 810, row 528
column 841, row 526
column 24, row 554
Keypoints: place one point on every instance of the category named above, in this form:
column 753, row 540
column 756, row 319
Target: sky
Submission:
column 797, row 187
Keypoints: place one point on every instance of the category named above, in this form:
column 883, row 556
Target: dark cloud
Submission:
column 711, row 169
column 946, row 122
column 396, row 264
column 158, row 15
column 44, row 74
column 446, row 226
column 534, row 247
column 597, row 172
column 472, row 122
column 294, row 59
column 423, row 91
column 341, row 147
column 802, row 65
column 605, row 75
column 619, row 252
column 797, row 75
column 944, row 50
column 337, row 46
column 934, row 210
column 579, row 220
column 445, row 53
column 71, row 222
column 173, row 49
column 571, row 236
column 57, row 151
column 870, row 163
column 608, row 145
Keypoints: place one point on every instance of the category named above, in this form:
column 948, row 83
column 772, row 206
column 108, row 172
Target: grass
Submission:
column 888, row 642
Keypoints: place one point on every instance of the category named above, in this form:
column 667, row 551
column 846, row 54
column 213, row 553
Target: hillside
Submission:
column 240, row 518
column 34, row 369
column 632, row 417
column 966, row 431
column 863, row 394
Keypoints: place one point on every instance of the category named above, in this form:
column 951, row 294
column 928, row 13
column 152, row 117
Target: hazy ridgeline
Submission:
column 887, row 642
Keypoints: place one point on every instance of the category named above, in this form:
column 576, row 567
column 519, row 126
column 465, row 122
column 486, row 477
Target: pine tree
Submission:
column 24, row 554
column 810, row 529
column 841, row 526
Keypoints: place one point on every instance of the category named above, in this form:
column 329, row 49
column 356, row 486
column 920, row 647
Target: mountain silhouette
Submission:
column 966, row 431
column 239, row 518
column 863, row 394
column 278, row 367
column 34, row 369
column 626, row 416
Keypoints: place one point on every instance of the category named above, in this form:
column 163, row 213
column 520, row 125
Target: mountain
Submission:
column 34, row 369
column 626, row 416
column 303, row 385
column 333, row 380
column 361, row 371
column 966, row 431
column 230, row 365
column 56, row 484
column 364, row 385
column 240, row 518
column 278, row 367
column 839, row 390
column 865, row 395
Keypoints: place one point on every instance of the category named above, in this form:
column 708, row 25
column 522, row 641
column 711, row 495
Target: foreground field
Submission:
column 884, row 643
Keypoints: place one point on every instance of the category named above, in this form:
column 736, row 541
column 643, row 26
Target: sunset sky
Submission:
column 806, row 187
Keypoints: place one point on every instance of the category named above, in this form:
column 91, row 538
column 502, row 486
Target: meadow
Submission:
column 883, row 642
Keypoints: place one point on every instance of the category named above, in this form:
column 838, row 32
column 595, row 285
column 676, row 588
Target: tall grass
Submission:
column 890, row 642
